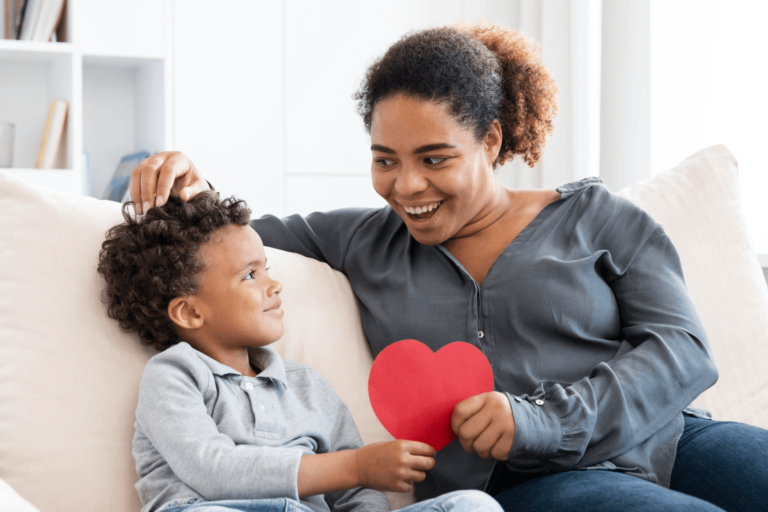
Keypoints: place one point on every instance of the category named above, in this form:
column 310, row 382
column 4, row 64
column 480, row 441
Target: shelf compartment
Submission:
column 123, row 111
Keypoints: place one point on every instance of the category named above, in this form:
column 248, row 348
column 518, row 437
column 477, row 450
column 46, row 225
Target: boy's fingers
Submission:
column 416, row 476
column 418, row 448
column 422, row 463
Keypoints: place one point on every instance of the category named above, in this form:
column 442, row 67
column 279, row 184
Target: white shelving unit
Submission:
column 114, row 70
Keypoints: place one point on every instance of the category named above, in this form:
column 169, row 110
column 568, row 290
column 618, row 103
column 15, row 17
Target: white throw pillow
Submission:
column 10, row 501
column 699, row 204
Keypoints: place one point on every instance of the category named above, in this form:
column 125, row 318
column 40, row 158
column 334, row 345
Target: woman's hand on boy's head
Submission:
column 394, row 465
column 164, row 174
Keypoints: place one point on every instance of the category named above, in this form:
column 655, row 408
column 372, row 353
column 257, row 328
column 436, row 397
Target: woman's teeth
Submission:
column 422, row 213
column 422, row 209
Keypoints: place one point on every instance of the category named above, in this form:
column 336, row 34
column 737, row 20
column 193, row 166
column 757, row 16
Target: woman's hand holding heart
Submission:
column 485, row 425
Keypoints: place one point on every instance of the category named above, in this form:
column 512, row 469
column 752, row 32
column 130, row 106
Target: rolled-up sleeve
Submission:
column 172, row 414
column 623, row 402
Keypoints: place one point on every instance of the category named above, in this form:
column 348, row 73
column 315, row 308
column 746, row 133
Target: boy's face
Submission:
column 239, row 302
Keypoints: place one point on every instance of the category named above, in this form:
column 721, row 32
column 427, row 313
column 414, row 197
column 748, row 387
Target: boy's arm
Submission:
column 389, row 466
column 172, row 414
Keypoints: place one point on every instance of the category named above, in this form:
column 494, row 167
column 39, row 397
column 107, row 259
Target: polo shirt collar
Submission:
column 268, row 361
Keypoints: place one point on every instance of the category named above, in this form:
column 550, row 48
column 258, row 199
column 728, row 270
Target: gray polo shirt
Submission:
column 585, row 318
column 205, row 431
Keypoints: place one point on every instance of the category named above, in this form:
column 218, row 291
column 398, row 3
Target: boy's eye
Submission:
column 249, row 275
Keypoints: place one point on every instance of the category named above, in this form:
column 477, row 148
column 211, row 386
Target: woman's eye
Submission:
column 384, row 162
column 249, row 275
column 434, row 160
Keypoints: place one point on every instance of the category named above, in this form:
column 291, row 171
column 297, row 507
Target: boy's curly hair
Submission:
column 149, row 261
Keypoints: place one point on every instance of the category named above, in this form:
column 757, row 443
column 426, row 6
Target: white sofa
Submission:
column 69, row 376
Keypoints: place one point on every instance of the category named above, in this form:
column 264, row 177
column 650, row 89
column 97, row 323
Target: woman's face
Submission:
column 430, row 169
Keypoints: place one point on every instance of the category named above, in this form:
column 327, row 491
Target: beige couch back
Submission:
column 69, row 377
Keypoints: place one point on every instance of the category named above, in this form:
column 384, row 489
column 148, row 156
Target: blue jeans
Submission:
column 459, row 501
column 720, row 465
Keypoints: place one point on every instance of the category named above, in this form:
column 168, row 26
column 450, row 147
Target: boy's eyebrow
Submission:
column 252, row 264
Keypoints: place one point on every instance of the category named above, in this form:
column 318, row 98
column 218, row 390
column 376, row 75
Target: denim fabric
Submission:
column 719, row 466
column 585, row 318
column 458, row 501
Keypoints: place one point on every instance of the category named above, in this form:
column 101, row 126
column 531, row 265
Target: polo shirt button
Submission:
column 518, row 399
column 262, row 408
column 539, row 402
column 480, row 334
column 248, row 386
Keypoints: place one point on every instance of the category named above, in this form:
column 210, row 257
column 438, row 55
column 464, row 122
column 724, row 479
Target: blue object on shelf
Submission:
column 118, row 185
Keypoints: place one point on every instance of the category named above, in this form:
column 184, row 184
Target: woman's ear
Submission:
column 492, row 141
column 183, row 313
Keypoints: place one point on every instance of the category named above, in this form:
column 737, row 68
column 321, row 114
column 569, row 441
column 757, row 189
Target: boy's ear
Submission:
column 181, row 311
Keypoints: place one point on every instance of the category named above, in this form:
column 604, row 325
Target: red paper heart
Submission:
column 413, row 390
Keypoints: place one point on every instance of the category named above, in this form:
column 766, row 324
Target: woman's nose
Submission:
column 410, row 182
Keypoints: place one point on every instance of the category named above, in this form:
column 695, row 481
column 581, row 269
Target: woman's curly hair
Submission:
column 481, row 73
column 149, row 261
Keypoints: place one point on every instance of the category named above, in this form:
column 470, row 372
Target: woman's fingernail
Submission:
column 137, row 208
column 145, row 206
column 158, row 201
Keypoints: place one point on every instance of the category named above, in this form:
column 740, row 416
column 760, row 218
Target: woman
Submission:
column 576, row 296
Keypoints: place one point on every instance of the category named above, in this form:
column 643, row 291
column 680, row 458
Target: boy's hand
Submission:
column 485, row 425
column 161, row 175
column 394, row 465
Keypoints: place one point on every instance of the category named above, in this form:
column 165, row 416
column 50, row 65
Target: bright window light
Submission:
column 709, row 85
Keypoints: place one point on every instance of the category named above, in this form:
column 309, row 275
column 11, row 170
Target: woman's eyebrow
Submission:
column 417, row 151
column 432, row 147
column 382, row 149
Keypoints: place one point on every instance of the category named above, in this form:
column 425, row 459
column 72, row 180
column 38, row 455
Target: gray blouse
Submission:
column 585, row 318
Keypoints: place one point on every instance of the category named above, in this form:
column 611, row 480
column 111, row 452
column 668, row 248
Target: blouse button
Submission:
column 480, row 334
column 539, row 402
column 248, row 386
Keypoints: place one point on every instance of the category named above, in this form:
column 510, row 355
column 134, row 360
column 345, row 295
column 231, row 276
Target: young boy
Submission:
column 222, row 423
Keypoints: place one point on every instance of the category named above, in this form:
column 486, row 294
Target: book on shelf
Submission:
column 54, row 127
column 31, row 20
column 118, row 188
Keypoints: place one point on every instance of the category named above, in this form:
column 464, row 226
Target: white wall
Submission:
column 263, row 91
column 709, row 85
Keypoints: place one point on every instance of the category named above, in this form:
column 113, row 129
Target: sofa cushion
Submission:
column 699, row 204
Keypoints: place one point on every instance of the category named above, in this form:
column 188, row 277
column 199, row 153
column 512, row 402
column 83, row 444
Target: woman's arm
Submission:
column 666, row 364
column 324, row 236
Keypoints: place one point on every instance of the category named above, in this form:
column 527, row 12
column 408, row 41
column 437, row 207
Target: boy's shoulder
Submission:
column 307, row 379
column 178, row 362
